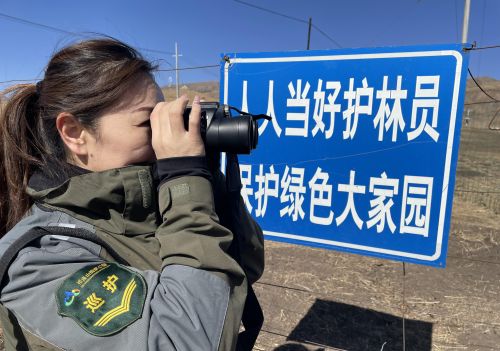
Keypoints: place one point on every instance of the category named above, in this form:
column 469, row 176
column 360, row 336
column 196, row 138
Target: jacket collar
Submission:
column 119, row 201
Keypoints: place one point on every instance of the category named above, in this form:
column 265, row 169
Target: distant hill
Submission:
column 481, row 115
column 475, row 116
column 208, row 91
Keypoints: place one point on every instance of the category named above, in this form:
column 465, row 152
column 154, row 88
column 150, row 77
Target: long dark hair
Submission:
column 83, row 79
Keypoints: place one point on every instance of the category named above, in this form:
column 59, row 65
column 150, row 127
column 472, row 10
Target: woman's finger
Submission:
column 176, row 114
column 154, row 119
column 195, row 117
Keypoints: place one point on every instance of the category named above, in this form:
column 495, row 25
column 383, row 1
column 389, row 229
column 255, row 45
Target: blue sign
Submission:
column 361, row 153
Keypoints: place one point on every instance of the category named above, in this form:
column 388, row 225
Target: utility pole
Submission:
column 177, row 69
column 465, row 26
column 309, row 34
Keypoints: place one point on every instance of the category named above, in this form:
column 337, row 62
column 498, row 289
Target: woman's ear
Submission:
column 72, row 133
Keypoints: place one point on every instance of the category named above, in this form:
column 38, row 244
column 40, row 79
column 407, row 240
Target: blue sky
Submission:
column 204, row 29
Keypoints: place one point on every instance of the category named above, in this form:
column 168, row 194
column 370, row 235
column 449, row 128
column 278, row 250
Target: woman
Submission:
column 113, row 239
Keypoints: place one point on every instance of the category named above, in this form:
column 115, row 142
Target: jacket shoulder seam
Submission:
column 223, row 321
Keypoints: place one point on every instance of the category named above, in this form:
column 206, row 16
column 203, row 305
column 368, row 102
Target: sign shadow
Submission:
column 348, row 327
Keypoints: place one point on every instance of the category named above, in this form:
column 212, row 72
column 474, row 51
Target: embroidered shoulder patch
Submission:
column 103, row 299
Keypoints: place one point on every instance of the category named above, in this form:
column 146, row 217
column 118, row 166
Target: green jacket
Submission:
column 103, row 261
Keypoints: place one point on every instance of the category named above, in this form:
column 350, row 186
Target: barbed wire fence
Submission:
column 478, row 170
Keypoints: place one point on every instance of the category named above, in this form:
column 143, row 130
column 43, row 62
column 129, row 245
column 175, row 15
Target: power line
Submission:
column 34, row 24
column 490, row 125
column 272, row 11
column 485, row 93
column 158, row 70
column 485, row 47
column 326, row 35
column 213, row 66
column 154, row 50
column 290, row 18
column 193, row 64
column 187, row 68
column 66, row 32
column 19, row 80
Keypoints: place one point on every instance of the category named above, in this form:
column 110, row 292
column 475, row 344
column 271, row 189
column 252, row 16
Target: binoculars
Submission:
column 221, row 132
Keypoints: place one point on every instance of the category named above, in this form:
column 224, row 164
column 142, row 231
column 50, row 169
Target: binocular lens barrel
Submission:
column 223, row 133
column 237, row 135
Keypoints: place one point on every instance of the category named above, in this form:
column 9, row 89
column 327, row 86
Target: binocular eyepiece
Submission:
column 221, row 132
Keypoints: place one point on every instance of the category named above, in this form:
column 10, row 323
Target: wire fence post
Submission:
column 309, row 34
column 404, row 306
column 177, row 70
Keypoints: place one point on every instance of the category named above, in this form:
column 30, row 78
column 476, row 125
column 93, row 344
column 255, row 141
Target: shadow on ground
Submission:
column 348, row 327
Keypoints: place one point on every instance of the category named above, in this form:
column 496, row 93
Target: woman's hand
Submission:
column 169, row 137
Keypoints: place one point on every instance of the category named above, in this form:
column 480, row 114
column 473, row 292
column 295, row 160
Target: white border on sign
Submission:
column 449, row 147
